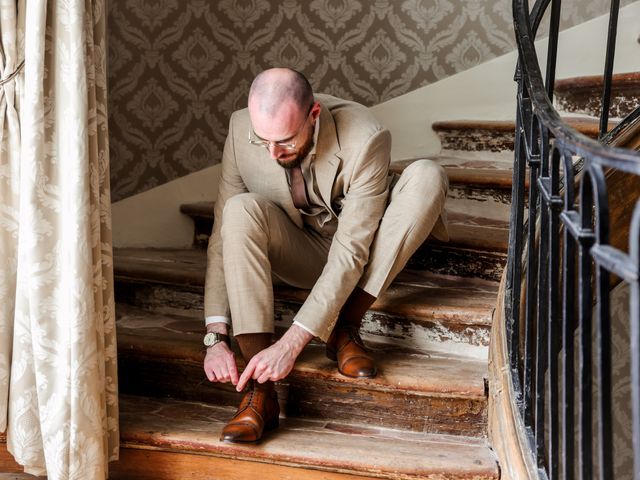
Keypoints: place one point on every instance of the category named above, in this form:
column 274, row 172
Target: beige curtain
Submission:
column 58, row 383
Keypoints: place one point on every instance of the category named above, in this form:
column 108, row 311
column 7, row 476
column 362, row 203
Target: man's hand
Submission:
column 275, row 363
column 220, row 364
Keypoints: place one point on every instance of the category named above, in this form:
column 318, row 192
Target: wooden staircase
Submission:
column 423, row 417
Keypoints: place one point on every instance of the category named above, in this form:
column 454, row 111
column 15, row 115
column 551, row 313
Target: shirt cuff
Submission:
column 304, row 327
column 216, row 319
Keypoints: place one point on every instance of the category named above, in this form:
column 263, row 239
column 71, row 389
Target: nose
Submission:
column 275, row 151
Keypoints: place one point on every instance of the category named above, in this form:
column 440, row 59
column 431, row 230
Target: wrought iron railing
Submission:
column 560, row 265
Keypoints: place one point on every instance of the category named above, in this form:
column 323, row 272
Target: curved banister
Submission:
column 560, row 262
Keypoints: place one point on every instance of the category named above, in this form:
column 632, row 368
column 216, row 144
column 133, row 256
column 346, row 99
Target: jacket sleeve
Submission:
column 216, row 301
column 362, row 208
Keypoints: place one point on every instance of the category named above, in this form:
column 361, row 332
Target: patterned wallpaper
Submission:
column 178, row 68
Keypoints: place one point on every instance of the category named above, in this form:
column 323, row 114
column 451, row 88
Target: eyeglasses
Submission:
column 258, row 142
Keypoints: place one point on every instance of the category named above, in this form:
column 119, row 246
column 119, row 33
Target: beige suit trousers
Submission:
column 262, row 245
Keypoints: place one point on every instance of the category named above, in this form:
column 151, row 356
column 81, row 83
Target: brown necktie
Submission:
column 298, row 188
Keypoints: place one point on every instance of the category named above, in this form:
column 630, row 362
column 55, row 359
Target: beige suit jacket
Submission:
column 351, row 162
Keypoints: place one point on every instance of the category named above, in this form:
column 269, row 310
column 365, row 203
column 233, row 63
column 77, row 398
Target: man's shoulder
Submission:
column 349, row 115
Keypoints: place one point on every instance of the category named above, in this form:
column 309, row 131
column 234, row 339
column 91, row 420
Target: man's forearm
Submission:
column 295, row 339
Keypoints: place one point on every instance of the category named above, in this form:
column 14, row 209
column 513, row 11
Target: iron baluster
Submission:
column 608, row 69
column 531, row 288
column 554, row 327
column 568, row 321
column 602, row 327
column 585, row 436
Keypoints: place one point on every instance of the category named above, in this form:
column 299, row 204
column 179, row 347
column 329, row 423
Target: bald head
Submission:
column 278, row 87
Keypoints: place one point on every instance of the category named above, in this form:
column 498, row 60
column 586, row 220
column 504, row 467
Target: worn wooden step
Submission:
column 478, row 228
column 584, row 94
column 161, row 355
column 420, row 311
column 163, row 439
column 299, row 449
column 486, row 170
column 458, row 137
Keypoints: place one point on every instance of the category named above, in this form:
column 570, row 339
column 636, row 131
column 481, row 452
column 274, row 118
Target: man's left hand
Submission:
column 275, row 363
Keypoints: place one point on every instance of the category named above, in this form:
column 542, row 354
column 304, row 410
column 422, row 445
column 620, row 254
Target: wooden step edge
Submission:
column 466, row 172
column 507, row 126
column 202, row 209
column 588, row 82
column 186, row 349
column 140, row 462
column 190, row 427
column 588, row 126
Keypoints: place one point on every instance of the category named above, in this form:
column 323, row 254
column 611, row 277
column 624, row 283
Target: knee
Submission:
column 243, row 212
column 427, row 178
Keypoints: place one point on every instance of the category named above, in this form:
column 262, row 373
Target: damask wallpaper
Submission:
column 178, row 68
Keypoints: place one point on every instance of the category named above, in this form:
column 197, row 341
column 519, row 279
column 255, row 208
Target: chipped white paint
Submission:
column 436, row 337
column 472, row 342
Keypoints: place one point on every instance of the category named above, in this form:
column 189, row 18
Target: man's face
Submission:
column 290, row 126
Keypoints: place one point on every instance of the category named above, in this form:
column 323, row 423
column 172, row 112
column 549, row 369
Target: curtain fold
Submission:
column 58, row 379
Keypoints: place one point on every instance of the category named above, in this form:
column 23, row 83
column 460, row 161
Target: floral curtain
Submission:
column 58, row 381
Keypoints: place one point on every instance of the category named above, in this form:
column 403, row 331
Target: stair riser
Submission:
column 459, row 262
column 491, row 203
column 456, row 141
column 588, row 102
column 415, row 334
column 318, row 399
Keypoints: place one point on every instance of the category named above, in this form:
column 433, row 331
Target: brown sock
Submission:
column 354, row 308
column 251, row 344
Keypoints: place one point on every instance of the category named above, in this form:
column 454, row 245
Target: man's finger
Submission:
column 219, row 373
column 233, row 370
column 210, row 375
column 264, row 377
column 246, row 375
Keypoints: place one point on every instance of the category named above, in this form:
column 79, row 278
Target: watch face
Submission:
column 210, row 338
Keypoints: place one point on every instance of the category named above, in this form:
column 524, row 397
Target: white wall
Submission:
column 152, row 218
column 488, row 90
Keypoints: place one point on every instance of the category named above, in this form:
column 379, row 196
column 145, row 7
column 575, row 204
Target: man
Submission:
column 303, row 200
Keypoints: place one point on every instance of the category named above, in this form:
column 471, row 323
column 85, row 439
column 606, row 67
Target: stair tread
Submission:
column 195, row 427
column 488, row 170
column 631, row 79
column 586, row 125
column 415, row 294
column 178, row 338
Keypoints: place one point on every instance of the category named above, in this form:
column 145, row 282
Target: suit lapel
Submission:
column 327, row 161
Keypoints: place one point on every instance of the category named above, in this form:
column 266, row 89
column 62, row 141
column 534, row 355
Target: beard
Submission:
column 295, row 159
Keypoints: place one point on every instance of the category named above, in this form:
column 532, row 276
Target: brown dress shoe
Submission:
column 258, row 412
column 345, row 346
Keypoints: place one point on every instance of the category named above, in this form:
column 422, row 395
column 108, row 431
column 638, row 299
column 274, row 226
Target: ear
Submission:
column 315, row 110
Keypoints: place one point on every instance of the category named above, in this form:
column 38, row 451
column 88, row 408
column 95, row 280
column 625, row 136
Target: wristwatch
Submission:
column 213, row 338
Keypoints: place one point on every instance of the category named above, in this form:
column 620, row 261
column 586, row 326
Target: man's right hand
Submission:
column 220, row 364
